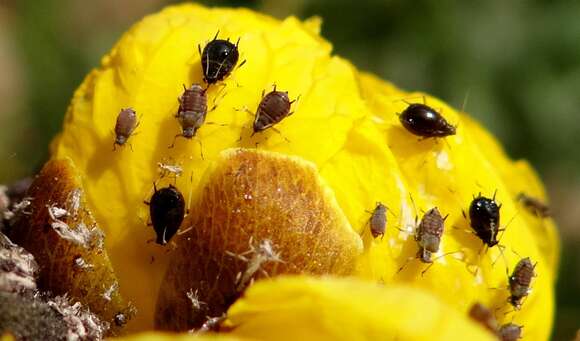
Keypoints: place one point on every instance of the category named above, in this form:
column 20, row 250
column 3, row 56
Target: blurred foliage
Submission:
column 519, row 61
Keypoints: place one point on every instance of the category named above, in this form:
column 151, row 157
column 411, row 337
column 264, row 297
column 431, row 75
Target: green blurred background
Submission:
column 519, row 61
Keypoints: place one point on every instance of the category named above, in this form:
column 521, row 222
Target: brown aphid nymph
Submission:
column 273, row 108
column 429, row 233
column 480, row 313
column 378, row 220
column 510, row 332
column 192, row 110
column 125, row 126
column 534, row 205
column 519, row 281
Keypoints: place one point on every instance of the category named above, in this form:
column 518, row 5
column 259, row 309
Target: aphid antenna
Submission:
column 439, row 257
column 190, row 193
column 279, row 132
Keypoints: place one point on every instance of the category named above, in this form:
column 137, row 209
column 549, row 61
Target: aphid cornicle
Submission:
column 167, row 210
column 125, row 126
column 484, row 217
column 429, row 233
column 192, row 110
column 378, row 220
column 510, row 332
column 483, row 316
column 218, row 59
column 273, row 108
column 519, row 281
column 424, row 121
column 534, row 205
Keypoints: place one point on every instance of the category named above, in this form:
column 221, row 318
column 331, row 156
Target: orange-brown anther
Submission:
column 259, row 214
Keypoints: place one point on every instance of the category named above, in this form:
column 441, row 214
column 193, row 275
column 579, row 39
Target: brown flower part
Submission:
column 62, row 235
column 260, row 214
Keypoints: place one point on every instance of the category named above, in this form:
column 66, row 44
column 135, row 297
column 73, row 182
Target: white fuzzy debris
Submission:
column 194, row 299
column 108, row 294
column 4, row 202
column 81, row 235
column 212, row 324
column 74, row 201
column 57, row 212
column 81, row 323
column 260, row 255
column 18, row 268
column 83, row 264
column 21, row 206
column 165, row 169
column 443, row 162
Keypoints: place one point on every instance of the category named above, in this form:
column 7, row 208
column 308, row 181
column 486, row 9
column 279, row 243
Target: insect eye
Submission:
column 224, row 54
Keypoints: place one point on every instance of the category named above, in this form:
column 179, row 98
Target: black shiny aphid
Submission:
column 378, row 220
column 167, row 209
column 424, row 121
column 273, row 108
column 124, row 126
column 218, row 59
column 520, row 280
column 484, row 216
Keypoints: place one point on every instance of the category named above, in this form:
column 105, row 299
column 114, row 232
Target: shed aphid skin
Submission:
column 519, row 282
column 125, row 126
column 480, row 313
column 424, row 121
column 534, row 205
column 218, row 59
column 167, row 210
column 510, row 332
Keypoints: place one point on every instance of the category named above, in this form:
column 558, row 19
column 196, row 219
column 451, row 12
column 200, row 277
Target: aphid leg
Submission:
column 200, row 149
column 406, row 263
column 190, row 194
column 130, row 146
column 439, row 257
column 279, row 132
column 174, row 139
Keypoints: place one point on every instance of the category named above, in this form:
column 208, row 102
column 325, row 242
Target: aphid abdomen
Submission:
column 510, row 332
column 378, row 221
column 430, row 230
column 125, row 125
column 167, row 210
column 424, row 121
column 521, row 278
column 273, row 108
column 484, row 218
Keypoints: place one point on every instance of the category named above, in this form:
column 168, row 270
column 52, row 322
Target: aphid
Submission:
column 519, row 282
column 510, row 332
column 378, row 220
column 429, row 233
column 273, row 108
column 484, row 217
column 218, row 59
column 484, row 316
column 424, row 121
column 167, row 210
column 126, row 124
column 192, row 110
column 534, row 205
column 428, row 236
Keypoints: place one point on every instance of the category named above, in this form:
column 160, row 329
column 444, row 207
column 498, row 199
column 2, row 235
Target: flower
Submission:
column 349, row 149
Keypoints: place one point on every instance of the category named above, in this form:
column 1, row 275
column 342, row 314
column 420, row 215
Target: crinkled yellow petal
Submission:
column 304, row 308
column 345, row 123
column 156, row 336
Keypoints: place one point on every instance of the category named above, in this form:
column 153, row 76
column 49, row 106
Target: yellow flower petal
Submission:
column 303, row 308
column 156, row 336
column 345, row 123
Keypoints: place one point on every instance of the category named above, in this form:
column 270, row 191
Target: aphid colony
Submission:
column 218, row 59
